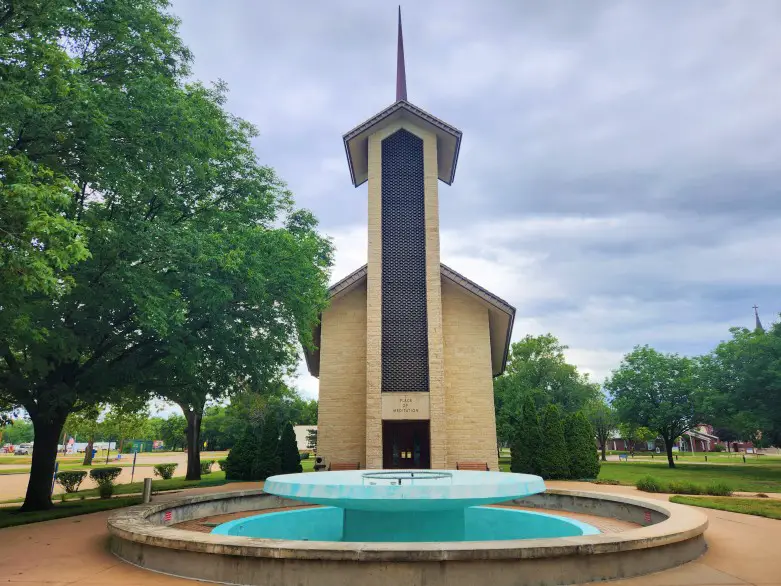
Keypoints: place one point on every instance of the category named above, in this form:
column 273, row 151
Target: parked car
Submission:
column 24, row 450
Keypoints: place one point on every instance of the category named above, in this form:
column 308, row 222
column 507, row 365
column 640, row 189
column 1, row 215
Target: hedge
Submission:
column 70, row 480
column 165, row 471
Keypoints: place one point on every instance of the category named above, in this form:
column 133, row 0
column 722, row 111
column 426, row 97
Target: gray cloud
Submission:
column 620, row 175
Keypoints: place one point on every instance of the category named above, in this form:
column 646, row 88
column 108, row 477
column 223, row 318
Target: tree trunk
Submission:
column 39, row 486
column 668, row 446
column 193, row 443
column 604, row 458
column 88, row 452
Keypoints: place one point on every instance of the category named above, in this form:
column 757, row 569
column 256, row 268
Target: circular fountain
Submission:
column 404, row 506
column 411, row 527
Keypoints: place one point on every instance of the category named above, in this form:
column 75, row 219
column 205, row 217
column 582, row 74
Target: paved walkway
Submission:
column 742, row 550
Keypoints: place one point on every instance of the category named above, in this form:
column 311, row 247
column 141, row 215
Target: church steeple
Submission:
column 401, row 72
column 758, row 325
column 448, row 138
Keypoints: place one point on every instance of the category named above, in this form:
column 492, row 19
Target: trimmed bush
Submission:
column 206, row 466
column 683, row 487
column 70, row 480
column 222, row 464
column 289, row 458
column 718, row 448
column 583, row 456
column 105, row 477
column 719, row 489
column 304, row 455
column 554, row 459
column 526, row 441
column 238, row 464
column 165, row 471
column 268, row 461
column 649, row 484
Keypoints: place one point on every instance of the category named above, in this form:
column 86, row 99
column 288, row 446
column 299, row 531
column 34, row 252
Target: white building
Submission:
column 302, row 436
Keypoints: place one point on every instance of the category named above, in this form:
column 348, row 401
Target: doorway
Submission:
column 406, row 444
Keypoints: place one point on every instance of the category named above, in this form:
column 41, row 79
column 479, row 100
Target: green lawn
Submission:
column 177, row 483
column 12, row 517
column 764, row 477
column 79, row 466
column 760, row 507
column 761, row 474
column 713, row 457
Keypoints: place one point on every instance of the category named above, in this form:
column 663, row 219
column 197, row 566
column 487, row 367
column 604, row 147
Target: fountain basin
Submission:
column 671, row 535
column 477, row 524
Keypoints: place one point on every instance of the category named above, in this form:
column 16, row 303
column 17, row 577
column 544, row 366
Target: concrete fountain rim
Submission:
column 135, row 525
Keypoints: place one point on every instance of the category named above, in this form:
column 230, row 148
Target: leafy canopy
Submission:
column 538, row 368
column 662, row 392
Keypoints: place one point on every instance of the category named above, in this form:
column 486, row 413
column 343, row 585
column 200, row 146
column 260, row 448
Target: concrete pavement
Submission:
column 742, row 550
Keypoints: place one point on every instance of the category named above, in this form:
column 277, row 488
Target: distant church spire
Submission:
column 401, row 73
column 758, row 326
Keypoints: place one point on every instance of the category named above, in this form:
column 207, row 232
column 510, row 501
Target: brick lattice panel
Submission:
column 404, row 321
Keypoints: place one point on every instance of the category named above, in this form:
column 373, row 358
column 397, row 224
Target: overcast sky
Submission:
column 619, row 180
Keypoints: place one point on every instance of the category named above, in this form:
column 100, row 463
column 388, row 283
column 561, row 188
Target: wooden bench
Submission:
column 477, row 466
column 335, row 466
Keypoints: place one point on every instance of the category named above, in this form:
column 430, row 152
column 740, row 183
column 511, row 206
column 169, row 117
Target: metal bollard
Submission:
column 147, row 496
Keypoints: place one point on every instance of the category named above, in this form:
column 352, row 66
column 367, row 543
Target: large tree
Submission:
column 85, row 424
column 171, row 205
column 583, row 459
column 255, row 288
column 554, row 456
column 172, row 432
column 663, row 392
column 604, row 421
column 526, row 445
column 123, row 422
column 744, row 377
column 635, row 434
column 538, row 368
column 289, row 458
column 38, row 242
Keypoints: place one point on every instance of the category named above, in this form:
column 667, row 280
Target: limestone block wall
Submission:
column 469, row 397
column 341, row 419
column 374, row 306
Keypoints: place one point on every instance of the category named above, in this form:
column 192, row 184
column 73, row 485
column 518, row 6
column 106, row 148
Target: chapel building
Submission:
column 407, row 350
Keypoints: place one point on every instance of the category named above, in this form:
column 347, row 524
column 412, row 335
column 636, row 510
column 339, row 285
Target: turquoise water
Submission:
column 471, row 524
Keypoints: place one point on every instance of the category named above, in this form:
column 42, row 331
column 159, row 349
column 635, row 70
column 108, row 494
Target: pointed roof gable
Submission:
column 356, row 142
column 501, row 316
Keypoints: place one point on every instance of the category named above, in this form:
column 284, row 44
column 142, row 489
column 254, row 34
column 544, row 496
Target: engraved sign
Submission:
column 405, row 405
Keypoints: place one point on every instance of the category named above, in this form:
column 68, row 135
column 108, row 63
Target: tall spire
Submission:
column 401, row 74
column 758, row 327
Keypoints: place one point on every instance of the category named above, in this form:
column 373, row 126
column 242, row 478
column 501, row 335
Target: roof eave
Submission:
column 403, row 105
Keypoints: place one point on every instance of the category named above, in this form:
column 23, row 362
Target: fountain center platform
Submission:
column 404, row 506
